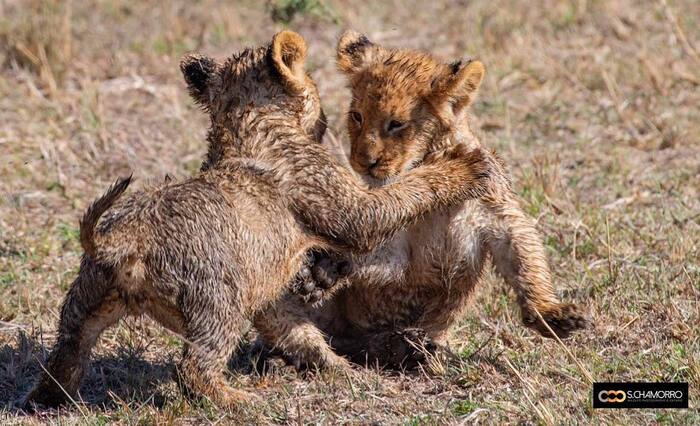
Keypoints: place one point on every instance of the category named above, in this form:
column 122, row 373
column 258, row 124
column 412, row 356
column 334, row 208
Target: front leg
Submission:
column 333, row 204
column 519, row 257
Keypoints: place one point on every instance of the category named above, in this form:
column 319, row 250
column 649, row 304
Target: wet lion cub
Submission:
column 202, row 255
column 406, row 105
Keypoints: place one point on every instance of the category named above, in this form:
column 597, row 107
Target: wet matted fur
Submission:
column 406, row 104
column 202, row 255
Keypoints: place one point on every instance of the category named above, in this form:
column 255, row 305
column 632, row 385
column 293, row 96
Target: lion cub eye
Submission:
column 395, row 125
column 356, row 117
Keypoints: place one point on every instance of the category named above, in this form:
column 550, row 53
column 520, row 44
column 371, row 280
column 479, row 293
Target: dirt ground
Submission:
column 594, row 104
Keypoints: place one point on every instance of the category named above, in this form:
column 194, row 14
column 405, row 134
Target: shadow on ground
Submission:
column 126, row 376
column 110, row 380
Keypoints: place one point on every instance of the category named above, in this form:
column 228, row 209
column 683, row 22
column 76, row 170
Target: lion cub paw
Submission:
column 482, row 166
column 321, row 277
column 456, row 152
column 563, row 319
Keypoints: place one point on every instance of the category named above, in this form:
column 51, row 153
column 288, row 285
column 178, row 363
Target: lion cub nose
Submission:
column 365, row 162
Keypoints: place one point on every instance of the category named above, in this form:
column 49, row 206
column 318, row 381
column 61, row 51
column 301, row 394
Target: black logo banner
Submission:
column 640, row 395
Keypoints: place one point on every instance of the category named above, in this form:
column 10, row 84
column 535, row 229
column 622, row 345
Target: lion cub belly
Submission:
column 385, row 265
column 431, row 262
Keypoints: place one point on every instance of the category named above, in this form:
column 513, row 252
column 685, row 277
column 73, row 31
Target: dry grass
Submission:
column 595, row 104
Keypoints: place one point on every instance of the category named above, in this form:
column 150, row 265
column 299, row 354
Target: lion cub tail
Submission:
column 96, row 210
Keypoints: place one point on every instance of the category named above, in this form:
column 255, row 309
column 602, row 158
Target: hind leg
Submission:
column 91, row 305
column 287, row 326
column 202, row 374
column 212, row 331
column 321, row 277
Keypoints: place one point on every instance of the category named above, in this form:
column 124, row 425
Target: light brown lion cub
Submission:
column 406, row 104
column 202, row 255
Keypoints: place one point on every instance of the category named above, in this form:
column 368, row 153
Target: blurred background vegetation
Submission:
column 593, row 104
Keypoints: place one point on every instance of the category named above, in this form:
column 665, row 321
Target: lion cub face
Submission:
column 402, row 101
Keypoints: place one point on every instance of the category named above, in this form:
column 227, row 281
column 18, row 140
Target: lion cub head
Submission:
column 264, row 80
column 403, row 103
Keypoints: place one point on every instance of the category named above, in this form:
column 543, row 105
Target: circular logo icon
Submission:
column 612, row 396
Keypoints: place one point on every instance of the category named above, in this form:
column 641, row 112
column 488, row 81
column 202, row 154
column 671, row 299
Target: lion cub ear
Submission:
column 355, row 52
column 457, row 86
column 288, row 55
column 202, row 77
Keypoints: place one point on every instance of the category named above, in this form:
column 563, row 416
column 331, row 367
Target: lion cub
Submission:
column 202, row 255
column 406, row 105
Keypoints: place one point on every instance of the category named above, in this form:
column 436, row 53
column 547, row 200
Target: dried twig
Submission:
column 542, row 412
column 583, row 370
column 82, row 411
column 611, row 271
column 687, row 47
